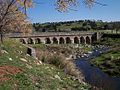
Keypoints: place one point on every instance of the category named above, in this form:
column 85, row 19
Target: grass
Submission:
column 31, row 76
column 56, row 55
column 109, row 62
column 109, row 41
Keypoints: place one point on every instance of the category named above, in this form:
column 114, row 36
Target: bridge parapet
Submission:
column 62, row 33
column 43, row 34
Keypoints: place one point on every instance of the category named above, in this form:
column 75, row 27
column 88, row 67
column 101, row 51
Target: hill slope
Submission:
column 19, row 71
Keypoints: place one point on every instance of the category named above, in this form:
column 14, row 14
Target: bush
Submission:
column 56, row 60
column 60, row 61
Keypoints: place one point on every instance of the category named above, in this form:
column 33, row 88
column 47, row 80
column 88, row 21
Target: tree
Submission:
column 116, row 26
column 13, row 13
column 12, row 17
column 63, row 5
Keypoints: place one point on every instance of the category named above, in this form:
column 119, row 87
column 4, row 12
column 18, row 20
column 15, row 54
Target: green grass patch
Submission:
column 109, row 62
column 32, row 76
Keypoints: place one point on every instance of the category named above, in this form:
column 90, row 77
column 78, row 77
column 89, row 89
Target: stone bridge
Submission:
column 58, row 38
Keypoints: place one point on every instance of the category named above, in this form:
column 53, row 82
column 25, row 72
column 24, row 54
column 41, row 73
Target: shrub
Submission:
column 59, row 59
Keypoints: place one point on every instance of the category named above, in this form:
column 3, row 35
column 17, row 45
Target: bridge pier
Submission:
column 72, row 41
column 85, row 40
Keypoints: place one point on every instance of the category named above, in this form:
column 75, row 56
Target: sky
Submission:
column 45, row 12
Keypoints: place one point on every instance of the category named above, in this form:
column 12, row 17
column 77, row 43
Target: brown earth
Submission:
column 8, row 70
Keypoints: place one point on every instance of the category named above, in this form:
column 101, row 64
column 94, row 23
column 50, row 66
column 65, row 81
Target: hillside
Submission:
column 19, row 71
column 80, row 25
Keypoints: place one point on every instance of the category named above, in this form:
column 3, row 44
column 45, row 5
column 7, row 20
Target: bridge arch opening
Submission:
column 61, row 40
column 30, row 41
column 87, row 40
column 68, row 41
column 55, row 41
column 76, row 40
column 22, row 41
column 47, row 41
column 82, row 40
column 37, row 41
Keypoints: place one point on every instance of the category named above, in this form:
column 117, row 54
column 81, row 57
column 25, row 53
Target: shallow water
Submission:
column 94, row 75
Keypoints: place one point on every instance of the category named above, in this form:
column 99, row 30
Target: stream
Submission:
column 94, row 75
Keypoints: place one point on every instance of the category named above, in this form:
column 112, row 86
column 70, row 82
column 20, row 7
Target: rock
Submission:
column 36, row 83
column 82, row 56
column 38, row 62
column 27, row 55
column 10, row 59
column 52, row 68
column 85, row 54
column 16, row 56
column 20, row 52
column 4, row 51
column 89, row 52
column 28, row 66
column 54, row 52
column 22, row 59
column 56, row 76
column 58, row 89
column 68, row 58
column 20, row 46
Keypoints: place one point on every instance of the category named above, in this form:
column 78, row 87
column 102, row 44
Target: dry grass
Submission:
column 60, row 61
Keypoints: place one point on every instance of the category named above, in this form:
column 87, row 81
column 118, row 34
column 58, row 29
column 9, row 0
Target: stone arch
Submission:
column 47, row 41
column 82, row 40
column 87, row 40
column 55, row 41
column 61, row 40
column 30, row 41
column 37, row 41
column 68, row 40
column 76, row 40
column 23, row 41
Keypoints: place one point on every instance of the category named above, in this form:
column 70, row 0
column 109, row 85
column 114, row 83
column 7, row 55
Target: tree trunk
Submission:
column 1, row 37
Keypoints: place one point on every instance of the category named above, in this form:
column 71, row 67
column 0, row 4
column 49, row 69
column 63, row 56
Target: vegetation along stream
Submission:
column 94, row 75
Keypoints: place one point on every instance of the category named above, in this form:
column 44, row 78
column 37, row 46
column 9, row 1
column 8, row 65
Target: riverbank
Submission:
column 20, row 71
column 109, row 62
column 61, row 56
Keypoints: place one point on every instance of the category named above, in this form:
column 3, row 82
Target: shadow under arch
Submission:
column 61, row 40
column 37, row 41
column 87, row 40
column 76, row 40
column 47, row 41
column 55, row 41
column 82, row 40
column 68, row 40
column 22, row 41
column 30, row 41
